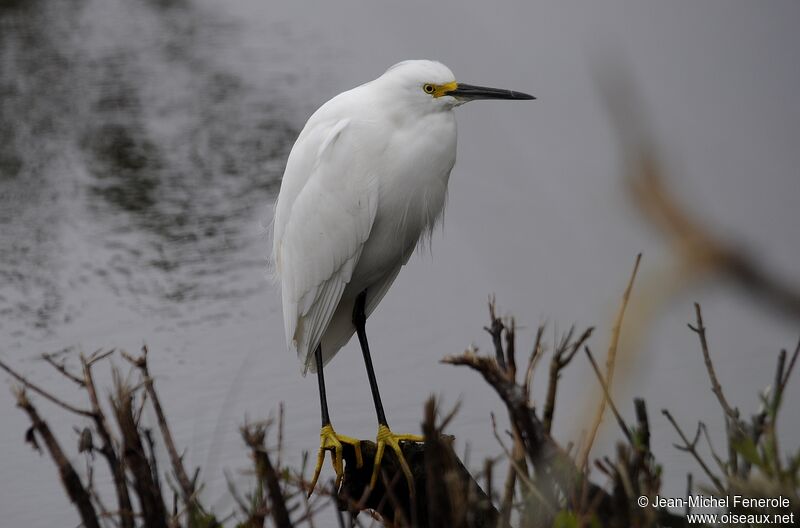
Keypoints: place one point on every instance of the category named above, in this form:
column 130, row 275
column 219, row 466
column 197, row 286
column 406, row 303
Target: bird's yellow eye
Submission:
column 429, row 88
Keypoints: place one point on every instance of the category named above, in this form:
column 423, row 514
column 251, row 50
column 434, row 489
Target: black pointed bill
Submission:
column 470, row 92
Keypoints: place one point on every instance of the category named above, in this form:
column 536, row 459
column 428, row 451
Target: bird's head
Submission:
column 432, row 84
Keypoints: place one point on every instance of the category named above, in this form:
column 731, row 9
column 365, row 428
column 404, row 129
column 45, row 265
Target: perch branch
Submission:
column 435, row 468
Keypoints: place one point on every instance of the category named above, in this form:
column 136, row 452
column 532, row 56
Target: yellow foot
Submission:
column 387, row 437
column 329, row 440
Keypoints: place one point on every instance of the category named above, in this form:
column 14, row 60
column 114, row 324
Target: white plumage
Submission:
column 365, row 178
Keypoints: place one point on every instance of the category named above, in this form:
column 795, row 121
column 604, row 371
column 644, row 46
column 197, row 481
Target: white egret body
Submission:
column 366, row 177
column 365, row 180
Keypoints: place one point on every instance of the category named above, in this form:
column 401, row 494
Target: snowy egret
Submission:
column 365, row 180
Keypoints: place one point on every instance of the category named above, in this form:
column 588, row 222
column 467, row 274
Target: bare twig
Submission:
column 507, row 363
column 254, row 437
column 691, row 447
column 99, row 355
column 62, row 368
column 716, row 388
column 533, row 361
column 109, row 448
column 451, row 495
column 714, row 455
column 530, row 486
column 281, row 417
column 643, row 429
column 543, row 452
column 511, row 355
column 186, row 485
column 69, row 477
column 785, row 379
column 563, row 354
column 773, row 407
column 617, row 415
column 510, row 483
column 148, row 491
column 43, row 393
column 610, row 361
column 688, row 509
column 496, row 331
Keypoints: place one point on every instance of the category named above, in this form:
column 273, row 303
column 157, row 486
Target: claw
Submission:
column 330, row 440
column 387, row 437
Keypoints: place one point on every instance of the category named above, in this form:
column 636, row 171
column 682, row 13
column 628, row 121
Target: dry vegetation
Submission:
column 547, row 484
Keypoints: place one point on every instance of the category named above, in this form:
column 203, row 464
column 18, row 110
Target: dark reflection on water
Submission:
column 32, row 136
column 133, row 162
column 126, row 165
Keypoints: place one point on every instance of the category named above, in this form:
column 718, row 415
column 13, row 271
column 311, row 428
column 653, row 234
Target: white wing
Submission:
column 323, row 216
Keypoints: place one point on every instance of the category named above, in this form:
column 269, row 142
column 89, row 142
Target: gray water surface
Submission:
column 141, row 148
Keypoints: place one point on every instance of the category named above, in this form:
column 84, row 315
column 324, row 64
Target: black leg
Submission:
column 360, row 321
column 323, row 399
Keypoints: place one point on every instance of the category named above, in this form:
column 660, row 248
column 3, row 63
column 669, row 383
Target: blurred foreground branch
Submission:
column 701, row 252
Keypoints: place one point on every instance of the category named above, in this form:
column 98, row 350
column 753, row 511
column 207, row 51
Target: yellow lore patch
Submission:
column 444, row 89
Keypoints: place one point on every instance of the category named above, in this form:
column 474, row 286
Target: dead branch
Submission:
column 62, row 368
column 148, row 491
column 556, row 473
column 691, row 447
column 542, row 451
column 716, row 388
column 254, row 436
column 643, row 423
column 781, row 386
column 109, row 447
column 533, row 360
column 43, row 393
column 506, row 361
column 496, row 331
column 99, row 355
column 186, row 485
column 714, row 455
column 607, row 396
column 69, row 477
column 562, row 356
column 435, row 468
column 517, row 457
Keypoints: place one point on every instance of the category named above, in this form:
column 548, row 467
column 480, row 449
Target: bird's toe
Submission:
column 330, row 440
column 387, row 438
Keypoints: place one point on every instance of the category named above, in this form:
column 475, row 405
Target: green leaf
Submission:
column 565, row 519
column 747, row 448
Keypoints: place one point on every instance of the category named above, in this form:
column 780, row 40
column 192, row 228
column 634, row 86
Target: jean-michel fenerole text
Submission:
column 709, row 501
